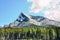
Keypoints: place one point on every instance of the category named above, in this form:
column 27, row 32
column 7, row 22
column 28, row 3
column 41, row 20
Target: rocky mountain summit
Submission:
column 27, row 20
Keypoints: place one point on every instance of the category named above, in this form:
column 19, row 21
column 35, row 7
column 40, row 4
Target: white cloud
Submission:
column 54, row 11
column 38, row 5
column 53, row 14
column 53, row 7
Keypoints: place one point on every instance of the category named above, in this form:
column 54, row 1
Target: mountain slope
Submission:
column 26, row 20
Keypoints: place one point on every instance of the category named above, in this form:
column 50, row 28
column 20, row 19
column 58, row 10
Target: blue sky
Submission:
column 10, row 10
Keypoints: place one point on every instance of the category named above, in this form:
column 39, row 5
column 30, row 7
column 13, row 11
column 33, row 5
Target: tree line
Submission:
column 45, row 33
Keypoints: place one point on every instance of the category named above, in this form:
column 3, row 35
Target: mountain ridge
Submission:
column 26, row 20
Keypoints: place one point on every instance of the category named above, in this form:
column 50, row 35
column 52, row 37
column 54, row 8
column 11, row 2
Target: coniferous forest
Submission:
column 45, row 33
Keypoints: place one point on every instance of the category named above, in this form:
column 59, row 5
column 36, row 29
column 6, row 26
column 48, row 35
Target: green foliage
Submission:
column 31, row 33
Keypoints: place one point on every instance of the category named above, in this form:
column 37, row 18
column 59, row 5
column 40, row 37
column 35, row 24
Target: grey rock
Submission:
column 26, row 20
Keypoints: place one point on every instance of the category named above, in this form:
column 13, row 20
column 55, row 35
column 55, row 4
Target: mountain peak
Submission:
column 25, row 19
column 22, row 17
column 27, row 15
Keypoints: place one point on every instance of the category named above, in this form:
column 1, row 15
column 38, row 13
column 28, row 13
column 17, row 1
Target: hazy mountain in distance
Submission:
column 27, row 20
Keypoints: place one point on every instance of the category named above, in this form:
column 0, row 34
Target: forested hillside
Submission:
column 52, row 33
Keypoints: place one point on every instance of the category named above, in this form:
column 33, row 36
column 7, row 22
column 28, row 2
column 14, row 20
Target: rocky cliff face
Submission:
column 26, row 20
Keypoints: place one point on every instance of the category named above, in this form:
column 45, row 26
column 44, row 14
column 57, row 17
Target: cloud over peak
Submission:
column 52, row 8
